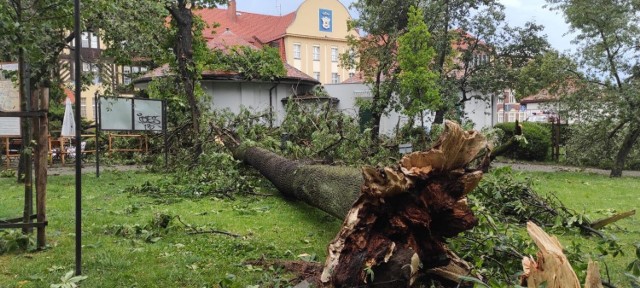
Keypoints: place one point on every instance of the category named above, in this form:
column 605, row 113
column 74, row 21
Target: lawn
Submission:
column 598, row 196
column 268, row 227
column 118, row 255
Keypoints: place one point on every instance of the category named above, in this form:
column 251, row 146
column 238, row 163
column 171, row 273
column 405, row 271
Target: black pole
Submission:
column 96, row 114
column 164, row 131
column 78, row 83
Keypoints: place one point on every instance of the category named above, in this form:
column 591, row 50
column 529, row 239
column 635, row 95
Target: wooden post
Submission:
column 41, row 166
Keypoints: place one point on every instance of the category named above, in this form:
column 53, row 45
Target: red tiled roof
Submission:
column 357, row 78
column 228, row 39
column 254, row 28
column 292, row 74
column 542, row 96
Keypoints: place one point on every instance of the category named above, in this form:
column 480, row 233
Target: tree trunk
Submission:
column 629, row 140
column 331, row 189
column 397, row 226
column 183, row 50
column 41, row 127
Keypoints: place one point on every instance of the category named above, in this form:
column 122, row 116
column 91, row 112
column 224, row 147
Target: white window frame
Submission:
column 95, row 69
column 297, row 48
column 500, row 116
column 335, row 78
column 316, row 75
column 512, row 116
column 316, row 53
column 334, row 54
column 93, row 39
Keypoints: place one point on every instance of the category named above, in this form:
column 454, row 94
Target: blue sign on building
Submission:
column 326, row 20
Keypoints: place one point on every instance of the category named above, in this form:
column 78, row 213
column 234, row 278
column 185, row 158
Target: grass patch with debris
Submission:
column 122, row 247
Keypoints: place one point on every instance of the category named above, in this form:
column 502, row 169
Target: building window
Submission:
column 334, row 54
column 83, row 109
column 512, row 116
column 129, row 72
column 316, row 75
column 500, row 116
column 83, row 106
column 88, row 40
column 351, row 74
column 94, row 70
column 335, row 78
column 316, row 53
column 296, row 51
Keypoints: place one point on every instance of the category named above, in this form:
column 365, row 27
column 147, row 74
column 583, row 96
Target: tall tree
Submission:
column 475, row 51
column 382, row 22
column 188, row 37
column 608, row 33
column 418, row 84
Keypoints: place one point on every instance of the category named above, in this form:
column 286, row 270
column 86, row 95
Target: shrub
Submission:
column 538, row 140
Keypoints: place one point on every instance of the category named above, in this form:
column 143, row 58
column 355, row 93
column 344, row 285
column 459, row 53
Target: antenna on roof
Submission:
column 279, row 8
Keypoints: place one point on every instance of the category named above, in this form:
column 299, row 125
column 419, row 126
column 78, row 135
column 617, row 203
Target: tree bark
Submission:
column 331, row 189
column 41, row 125
column 183, row 50
column 397, row 226
column 629, row 140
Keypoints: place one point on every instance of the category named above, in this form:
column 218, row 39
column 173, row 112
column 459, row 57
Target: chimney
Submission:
column 231, row 10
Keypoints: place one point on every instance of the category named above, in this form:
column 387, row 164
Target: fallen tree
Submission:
column 394, row 233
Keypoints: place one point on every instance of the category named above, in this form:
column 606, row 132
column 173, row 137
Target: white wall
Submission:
column 253, row 96
column 348, row 93
column 479, row 111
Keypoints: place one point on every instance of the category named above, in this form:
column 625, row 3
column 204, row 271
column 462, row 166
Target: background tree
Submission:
column 608, row 33
column 382, row 22
column 187, row 41
column 418, row 85
column 475, row 51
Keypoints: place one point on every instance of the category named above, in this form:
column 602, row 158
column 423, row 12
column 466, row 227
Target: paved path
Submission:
column 91, row 168
column 559, row 168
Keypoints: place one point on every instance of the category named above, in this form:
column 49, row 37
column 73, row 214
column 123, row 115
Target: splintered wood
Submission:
column 396, row 229
column 551, row 267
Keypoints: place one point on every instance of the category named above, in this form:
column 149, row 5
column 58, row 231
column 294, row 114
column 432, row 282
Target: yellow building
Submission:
column 311, row 39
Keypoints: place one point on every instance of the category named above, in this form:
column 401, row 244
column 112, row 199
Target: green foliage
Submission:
column 69, row 281
column 253, row 64
column 418, row 84
column 321, row 131
column 514, row 201
column 538, row 142
column 592, row 145
column 606, row 51
column 7, row 173
column 15, row 241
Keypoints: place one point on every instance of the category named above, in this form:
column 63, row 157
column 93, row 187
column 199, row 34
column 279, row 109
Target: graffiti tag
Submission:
column 149, row 122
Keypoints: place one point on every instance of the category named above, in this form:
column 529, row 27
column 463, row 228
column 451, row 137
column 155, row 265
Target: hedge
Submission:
column 538, row 138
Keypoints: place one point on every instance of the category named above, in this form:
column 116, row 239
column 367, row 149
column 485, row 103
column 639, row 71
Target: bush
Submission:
column 538, row 140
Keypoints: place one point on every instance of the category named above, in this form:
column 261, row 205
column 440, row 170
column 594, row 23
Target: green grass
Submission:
column 269, row 226
column 597, row 196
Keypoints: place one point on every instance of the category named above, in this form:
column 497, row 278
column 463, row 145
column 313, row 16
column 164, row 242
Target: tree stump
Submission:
column 397, row 228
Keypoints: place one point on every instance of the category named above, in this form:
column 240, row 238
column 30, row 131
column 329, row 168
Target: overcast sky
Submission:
column 518, row 12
